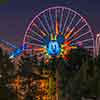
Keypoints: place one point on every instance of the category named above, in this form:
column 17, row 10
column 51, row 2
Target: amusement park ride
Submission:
column 54, row 32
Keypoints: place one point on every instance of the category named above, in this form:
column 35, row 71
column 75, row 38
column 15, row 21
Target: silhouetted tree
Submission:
column 7, row 70
column 76, row 56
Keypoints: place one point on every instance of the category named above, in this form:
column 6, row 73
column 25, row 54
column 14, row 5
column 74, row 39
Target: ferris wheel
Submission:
column 57, row 30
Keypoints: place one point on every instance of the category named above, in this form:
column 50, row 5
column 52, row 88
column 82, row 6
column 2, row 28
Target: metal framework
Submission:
column 56, row 30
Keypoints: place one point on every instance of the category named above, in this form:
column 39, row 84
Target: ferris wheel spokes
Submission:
column 37, row 34
column 34, row 44
column 75, row 25
column 65, row 22
column 77, row 31
column 56, row 24
column 33, row 38
column 47, row 22
column 41, row 31
column 57, row 27
column 51, row 20
column 81, row 35
column 61, row 19
column 86, row 40
column 70, row 23
column 88, row 47
column 43, row 25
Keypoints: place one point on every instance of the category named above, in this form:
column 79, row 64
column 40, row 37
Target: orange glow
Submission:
column 67, row 43
column 47, row 61
column 65, row 53
column 45, row 97
column 17, row 82
column 39, row 49
column 69, row 33
column 42, row 84
column 69, row 47
column 57, row 27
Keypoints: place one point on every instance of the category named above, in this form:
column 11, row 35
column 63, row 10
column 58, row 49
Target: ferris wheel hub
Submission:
column 53, row 48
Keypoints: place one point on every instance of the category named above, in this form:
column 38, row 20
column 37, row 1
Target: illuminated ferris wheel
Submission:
column 57, row 30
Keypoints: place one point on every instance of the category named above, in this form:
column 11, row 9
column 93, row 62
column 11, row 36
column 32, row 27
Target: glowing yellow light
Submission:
column 62, row 45
column 53, row 37
column 68, row 34
column 62, row 50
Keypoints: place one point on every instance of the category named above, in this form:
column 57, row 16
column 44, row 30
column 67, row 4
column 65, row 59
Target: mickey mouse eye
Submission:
column 55, row 46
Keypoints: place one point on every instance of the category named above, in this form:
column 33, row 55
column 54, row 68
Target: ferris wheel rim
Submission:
column 59, row 7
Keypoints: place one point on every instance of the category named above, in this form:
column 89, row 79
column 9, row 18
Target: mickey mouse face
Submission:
column 53, row 48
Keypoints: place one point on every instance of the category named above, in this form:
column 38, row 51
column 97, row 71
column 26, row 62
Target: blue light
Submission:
column 60, row 38
column 53, row 48
column 15, row 53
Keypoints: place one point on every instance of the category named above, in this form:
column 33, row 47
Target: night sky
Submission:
column 15, row 15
